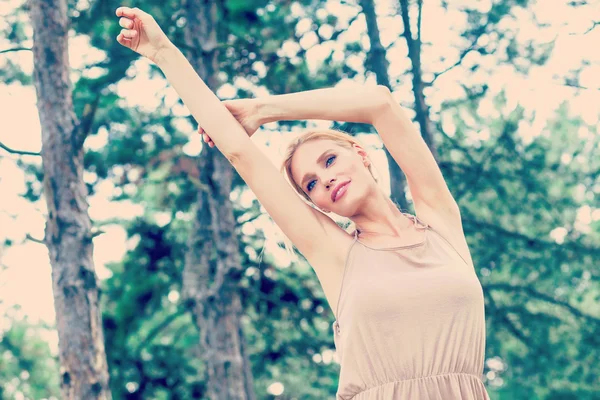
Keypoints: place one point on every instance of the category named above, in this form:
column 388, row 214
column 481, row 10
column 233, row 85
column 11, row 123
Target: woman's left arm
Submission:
column 351, row 103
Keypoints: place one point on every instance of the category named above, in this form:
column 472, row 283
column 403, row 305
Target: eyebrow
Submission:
column 321, row 157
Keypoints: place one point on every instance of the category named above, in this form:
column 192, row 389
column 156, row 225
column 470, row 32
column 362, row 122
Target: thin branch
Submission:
column 156, row 330
column 15, row 49
column 542, row 296
column 29, row 237
column 97, row 233
column 251, row 218
column 573, row 85
column 19, row 152
column 478, row 32
column 419, row 19
column 543, row 243
column 596, row 23
column 461, row 57
column 406, row 32
column 509, row 323
column 486, row 159
column 85, row 125
column 591, row 28
column 456, row 144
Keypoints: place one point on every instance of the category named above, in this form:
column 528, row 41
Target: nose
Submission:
column 330, row 183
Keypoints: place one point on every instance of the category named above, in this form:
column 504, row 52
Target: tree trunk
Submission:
column 213, row 266
column 84, row 371
column 377, row 62
column 414, row 53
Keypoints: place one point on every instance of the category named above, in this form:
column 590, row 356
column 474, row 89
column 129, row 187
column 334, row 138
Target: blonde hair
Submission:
column 343, row 140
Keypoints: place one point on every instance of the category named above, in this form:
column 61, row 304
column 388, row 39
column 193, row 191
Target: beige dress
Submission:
column 410, row 323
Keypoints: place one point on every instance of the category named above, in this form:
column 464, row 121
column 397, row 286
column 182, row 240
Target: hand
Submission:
column 142, row 33
column 246, row 111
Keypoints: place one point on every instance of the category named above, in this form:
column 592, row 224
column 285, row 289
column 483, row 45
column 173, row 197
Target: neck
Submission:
column 380, row 216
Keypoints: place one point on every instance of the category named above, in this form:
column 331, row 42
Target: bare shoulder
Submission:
column 447, row 223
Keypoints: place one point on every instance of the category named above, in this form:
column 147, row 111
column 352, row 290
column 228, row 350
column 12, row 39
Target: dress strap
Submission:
column 346, row 262
column 418, row 223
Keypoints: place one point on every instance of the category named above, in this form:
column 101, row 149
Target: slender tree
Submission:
column 377, row 62
column 213, row 264
column 83, row 367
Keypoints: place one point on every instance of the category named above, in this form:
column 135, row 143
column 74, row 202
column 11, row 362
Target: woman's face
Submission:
column 320, row 166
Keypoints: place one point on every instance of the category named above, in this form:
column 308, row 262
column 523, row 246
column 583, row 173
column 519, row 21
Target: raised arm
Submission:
column 315, row 235
column 143, row 35
column 351, row 103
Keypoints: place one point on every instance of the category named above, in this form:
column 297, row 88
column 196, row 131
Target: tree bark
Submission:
column 83, row 366
column 414, row 53
column 377, row 62
column 213, row 266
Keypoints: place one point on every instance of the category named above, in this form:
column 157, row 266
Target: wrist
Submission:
column 268, row 109
column 164, row 54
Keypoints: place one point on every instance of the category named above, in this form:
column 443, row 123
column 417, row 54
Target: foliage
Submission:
column 27, row 367
column 521, row 200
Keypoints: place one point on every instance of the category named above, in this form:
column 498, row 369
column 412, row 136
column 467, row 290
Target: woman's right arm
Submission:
column 208, row 110
column 143, row 35
column 312, row 232
column 315, row 235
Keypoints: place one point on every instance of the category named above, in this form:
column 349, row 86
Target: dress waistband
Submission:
column 466, row 374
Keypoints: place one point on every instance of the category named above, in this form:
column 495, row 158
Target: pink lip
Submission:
column 337, row 188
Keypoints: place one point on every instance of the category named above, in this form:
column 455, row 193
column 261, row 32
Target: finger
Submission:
column 123, row 40
column 128, row 12
column 126, row 23
column 128, row 33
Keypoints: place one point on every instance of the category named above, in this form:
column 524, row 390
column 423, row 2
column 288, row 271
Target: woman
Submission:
column 408, row 305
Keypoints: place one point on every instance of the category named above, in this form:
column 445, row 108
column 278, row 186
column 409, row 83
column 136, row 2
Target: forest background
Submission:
column 504, row 92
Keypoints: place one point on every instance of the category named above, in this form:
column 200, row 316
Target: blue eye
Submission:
column 309, row 187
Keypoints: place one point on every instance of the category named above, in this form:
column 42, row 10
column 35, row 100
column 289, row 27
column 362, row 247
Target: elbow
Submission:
column 234, row 147
column 384, row 96
column 232, row 158
column 384, row 91
column 239, row 151
column 233, row 155
column 383, row 102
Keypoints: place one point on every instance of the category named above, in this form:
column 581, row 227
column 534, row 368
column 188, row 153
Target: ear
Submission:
column 362, row 153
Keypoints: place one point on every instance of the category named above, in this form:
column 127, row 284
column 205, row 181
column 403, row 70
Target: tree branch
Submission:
column 15, row 49
column 478, row 32
column 596, row 23
column 591, row 28
column 541, row 296
column 156, row 330
column 85, row 125
column 19, row 152
column 419, row 19
column 29, row 237
column 517, row 235
column 97, row 232
column 461, row 57
column 509, row 323
column 576, row 86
